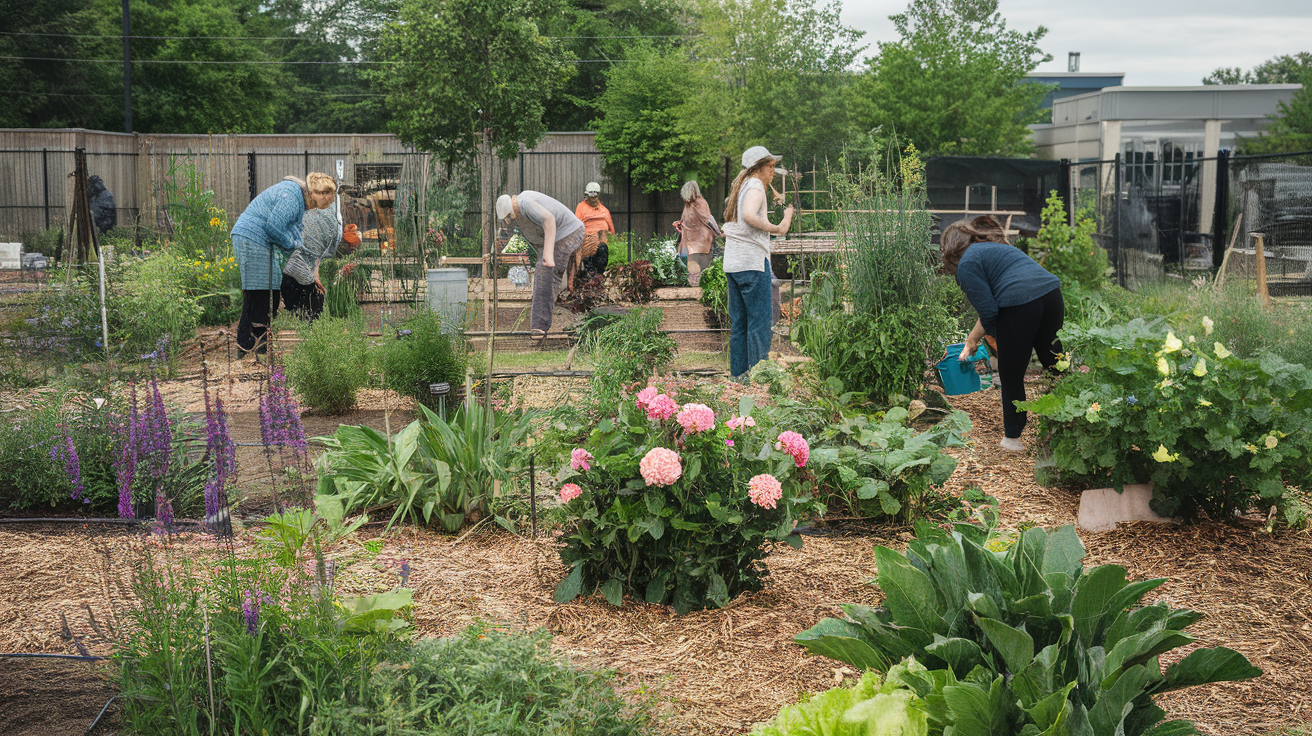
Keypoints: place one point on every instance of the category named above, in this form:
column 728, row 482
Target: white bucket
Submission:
column 448, row 294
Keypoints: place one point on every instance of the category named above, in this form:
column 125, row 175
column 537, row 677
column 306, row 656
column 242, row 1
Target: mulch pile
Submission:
column 718, row 672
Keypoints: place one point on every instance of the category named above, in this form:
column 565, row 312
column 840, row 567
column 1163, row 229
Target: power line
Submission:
column 255, row 61
column 270, row 38
column 30, row 93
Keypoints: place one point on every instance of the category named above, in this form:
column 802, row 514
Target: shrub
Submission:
column 154, row 303
column 868, row 708
column 666, row 266
column 484, row 681
column 1023, row 640
column 1069, row 251
column 429, row 354
column 628, row 351
column 688, row 526
column 715, row 290
column 330, row 365
column 632, row 282
column 1214, row 432
column 343, row 281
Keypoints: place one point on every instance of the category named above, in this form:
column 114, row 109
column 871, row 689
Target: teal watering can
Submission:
column 959, row 376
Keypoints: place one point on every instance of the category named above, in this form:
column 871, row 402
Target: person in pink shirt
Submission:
column 697, row 230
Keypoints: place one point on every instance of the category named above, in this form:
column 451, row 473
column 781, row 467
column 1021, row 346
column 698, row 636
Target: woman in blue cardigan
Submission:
column 1019, row 304
column 268, row 230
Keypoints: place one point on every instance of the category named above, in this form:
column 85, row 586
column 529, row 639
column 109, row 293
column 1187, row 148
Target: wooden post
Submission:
column 1262, row 292
column 1225, row 260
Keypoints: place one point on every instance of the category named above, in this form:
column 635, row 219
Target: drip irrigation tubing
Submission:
column 43, row 655
column 96, row 722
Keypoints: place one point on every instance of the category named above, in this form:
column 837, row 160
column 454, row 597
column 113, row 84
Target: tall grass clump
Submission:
column 331, row 364
column 882, row 314
column 423, row 353
column 627, row 352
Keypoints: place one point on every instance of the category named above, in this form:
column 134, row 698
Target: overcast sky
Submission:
column 1155, row 42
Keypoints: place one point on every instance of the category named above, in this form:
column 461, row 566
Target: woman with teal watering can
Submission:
column 1019, row 304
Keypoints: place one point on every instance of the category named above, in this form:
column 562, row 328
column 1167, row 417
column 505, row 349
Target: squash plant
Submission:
column 1023, row 640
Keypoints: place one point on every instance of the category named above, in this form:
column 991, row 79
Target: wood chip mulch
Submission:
column 718, row 672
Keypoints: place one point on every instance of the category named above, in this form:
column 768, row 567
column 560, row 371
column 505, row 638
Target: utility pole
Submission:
column 127, row 69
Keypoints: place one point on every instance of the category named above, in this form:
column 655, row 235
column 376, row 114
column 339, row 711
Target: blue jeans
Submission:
column 751, row 314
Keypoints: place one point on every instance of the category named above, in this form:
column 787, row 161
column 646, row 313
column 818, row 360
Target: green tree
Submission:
column 653, row 117
column 456, row 70
column 953, row 82
column 57, row 94
column 1283, row 69
column 1291, row 129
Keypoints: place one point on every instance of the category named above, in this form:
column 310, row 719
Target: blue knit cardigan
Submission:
column 271, row 219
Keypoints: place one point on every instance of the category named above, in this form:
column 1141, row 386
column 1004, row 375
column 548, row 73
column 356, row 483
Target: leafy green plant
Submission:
column 1014, row 635
column 343, row 280
column 429, row 354
column 484, row 681
column 1214, row 432
column 330, row 365
column 715, row 290
column 628, row 351
column 877, row 468
column 431, row 470
column 667, row 268
column 1069, row 251
column 690, row 526
column 868, row 708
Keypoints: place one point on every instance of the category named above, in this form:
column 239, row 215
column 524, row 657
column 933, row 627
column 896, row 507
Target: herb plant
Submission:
column 627, row 352
column 330, row 365
column 429, row 354
column 715, row 290
column 1068, row 251
column 868, row 708
column 1017, row 637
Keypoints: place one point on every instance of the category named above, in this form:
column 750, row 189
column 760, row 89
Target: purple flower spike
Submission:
column 66, row 452
column 250, row 610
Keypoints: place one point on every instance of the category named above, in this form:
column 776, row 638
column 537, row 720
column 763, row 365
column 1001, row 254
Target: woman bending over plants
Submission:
column 1019, row 305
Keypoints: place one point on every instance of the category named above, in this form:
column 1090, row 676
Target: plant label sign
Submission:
column 439, row 389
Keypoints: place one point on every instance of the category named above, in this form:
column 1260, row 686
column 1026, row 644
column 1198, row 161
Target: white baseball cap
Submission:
column 757, row 154
column 504, row 207
column 592, row 188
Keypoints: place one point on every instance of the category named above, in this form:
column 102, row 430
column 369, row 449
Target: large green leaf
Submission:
column 1051, row 711
column 1015, row 646
column 569, row 588
column 841, row 640
column 1115, row 704
column 909, row 595
column 962, row 655
column 613, row 590
column 977, row 711
column 717, row 592
column 1173, row 728
column 1093, row 596
column 1064, row 552
column 1139, row 648
column 1205, row 666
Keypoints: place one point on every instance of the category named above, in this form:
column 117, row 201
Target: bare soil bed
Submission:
column 720, row 671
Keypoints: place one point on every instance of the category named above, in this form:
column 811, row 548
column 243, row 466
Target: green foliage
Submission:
column 343, row 281
column 1281, row 69
column 1291, row 129
column 653, row 124
column 697, row 542
column 868, row 708
column 270, row 641
column 431, row 353
column 30, row 478
column 330, row 365
column 153, row 303
column 198, row 227
column 1013, row 635
column 628, row 351
column 1069, row 251
column 431, row 471
column 1215, row 433
column 883, row 468
column 484, row 681
column 496, row 75
column 954, row 83
column 715, row 290
column 667, row 268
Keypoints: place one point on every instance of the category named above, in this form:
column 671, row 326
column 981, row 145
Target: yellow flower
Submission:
column 1208, row 324
column 1172, row 343
column 1251, row 448
column 1062, row 365
column 1271, row 442
column 1200, row 368
column 215, row 222
column 1091, row 413
column 1163, row 456
column 1204, row 402
column 1221, row 352
column 1163, row 367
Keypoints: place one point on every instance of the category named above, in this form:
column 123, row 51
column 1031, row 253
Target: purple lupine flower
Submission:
column 222, row 452
column 157, row 440
column 250, row 610
column 125, row 465
column 66, row 452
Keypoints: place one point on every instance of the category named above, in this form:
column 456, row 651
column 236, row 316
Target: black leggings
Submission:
column 256, row 314
column 305, row 301
column 1031, row 326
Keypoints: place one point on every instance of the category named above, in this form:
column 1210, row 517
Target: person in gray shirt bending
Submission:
column 552, row 228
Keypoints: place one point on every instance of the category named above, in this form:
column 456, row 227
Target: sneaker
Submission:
column 1011, row 444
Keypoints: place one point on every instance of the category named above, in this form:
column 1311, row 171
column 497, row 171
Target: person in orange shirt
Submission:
column 597, row 225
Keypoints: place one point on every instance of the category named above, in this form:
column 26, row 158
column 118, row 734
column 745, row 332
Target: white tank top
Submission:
column 745, row 247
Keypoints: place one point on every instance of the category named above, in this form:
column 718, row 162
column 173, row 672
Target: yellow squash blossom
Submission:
column 1091, row 413
column 1204, row 402
column 1271, row 442
column 1163, row 367
column 1221, row 352
column 1208, row 324
column 1200, row 368
column 1163, row 456
column 1172, row 343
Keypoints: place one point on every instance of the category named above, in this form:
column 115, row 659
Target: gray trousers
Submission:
column 547, row 281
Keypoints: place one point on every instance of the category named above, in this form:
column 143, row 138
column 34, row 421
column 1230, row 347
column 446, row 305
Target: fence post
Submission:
column 250, row 175
column 1259, row 250
column 629, row 178
column 1116, row 220
column 45, row 183
column 307, row 164
column 1220, row 210
column 1064, row 190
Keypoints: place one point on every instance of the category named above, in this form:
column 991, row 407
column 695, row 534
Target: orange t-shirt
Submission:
column 595, row 219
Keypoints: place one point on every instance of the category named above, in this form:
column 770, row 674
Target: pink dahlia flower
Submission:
column 660, row 466
column 661, row 407
column 697, row 418
column 794, row 444
column 737, row 422
column 765, row 490
column 645, row 396
column 580, row 459
column 569, row 492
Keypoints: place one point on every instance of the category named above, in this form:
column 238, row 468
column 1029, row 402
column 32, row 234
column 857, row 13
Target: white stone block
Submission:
column 1102, row 508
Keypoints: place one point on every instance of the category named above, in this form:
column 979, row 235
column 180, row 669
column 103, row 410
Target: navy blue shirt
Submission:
column 996, row 275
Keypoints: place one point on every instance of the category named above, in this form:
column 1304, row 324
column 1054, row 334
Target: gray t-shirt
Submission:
column 530, row 221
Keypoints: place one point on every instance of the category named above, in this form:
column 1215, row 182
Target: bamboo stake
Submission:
column 1262, row 292
column 1225, row 260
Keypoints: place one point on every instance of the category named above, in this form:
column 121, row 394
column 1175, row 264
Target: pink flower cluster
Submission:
column 765, row 490
column 660, row 466
column 569, row 492
column 697, row 418
column 580, row 459
column 737, row 422
column 794, row 444
column 657, row 405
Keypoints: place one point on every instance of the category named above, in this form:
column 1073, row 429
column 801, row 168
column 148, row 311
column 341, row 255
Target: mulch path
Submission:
column 718, row 672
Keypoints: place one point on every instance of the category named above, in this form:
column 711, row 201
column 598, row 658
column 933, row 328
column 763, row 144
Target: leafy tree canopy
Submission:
column 456, row 70
column 1284, row 69
column 1291, row 129
column 952, row 84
